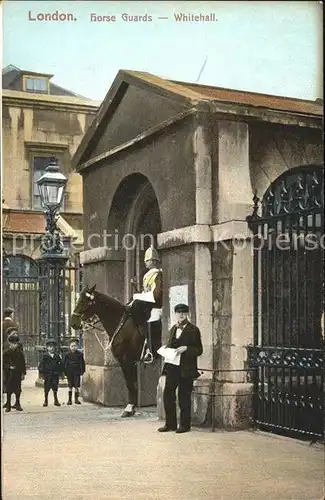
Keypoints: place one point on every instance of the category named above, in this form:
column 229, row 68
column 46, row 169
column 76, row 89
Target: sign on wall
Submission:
column 178, row 294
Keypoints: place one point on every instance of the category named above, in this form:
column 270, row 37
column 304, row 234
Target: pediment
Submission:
column 132, row 106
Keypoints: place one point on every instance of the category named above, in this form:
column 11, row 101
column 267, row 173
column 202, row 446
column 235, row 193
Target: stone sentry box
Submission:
column 204, row 152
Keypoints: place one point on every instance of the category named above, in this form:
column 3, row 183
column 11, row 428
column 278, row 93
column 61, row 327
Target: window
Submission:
column 35, row 84
column 39, row 164
column 20, row 266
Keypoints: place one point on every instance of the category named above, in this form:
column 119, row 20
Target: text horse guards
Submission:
column 288, row 350
column 125, row 325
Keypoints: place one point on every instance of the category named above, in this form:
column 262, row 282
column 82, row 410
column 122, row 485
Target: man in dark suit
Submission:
column 186, row 339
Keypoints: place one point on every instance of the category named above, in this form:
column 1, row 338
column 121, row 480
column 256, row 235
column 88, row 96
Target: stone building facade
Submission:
column 182, row 162
column 37, row 125
column 40, row 120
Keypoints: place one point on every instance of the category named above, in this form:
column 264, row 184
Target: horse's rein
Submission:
column 91, row 325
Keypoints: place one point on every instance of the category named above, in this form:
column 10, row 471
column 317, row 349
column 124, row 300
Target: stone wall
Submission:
column 30, row 127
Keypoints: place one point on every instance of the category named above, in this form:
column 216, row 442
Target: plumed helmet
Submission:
column 181, row 308
column 151, row 254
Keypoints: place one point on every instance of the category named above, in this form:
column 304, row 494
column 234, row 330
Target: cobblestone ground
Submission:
column 88, row 452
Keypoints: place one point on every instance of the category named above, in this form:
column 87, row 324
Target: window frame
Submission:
column 34, row 150
column 36, row 77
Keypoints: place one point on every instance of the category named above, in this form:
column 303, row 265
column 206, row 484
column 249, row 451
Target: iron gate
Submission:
column 288, row 347
column 22, row 292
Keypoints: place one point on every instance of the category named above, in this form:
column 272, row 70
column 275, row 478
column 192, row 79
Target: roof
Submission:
column 191, row 94
column 255, row 99
column 31, row 222
column 11, row 73
column 25, row 222
column 15, row 97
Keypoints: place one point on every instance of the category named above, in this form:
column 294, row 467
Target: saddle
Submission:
column 140, row 312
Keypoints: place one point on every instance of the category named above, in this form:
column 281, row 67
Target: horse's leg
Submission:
column 130, row 374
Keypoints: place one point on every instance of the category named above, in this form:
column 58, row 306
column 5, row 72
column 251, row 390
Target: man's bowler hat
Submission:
column 181, row 308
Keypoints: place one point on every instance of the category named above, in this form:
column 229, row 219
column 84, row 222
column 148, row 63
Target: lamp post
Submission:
column 5, row 259
column 53, row 258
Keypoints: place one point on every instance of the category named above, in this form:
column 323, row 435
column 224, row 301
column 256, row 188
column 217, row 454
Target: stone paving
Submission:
column 89, row 452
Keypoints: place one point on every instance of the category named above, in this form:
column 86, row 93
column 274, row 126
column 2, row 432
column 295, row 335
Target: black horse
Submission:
column 126, row 341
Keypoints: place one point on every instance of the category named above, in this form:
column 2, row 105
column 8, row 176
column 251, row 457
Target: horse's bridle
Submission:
column 91, row 325
column 87, row 321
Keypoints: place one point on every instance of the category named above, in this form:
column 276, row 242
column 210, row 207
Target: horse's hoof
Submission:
column 126, row 414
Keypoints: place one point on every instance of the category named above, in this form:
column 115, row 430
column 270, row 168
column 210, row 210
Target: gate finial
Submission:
column 255, row 207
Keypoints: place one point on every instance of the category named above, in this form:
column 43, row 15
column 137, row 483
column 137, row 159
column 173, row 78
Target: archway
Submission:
column 134, row 214
column 143, row 223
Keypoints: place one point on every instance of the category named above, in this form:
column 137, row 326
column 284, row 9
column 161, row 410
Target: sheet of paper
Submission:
column 171, row 356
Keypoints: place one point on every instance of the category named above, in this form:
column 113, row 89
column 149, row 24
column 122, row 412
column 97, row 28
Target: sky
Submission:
column 267, row 47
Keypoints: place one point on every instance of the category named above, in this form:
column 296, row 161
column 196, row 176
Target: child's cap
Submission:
column 50, row 342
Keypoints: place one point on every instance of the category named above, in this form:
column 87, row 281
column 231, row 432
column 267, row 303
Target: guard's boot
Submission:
column 69, row 398
column 45, row 400
column 56, row 401
column 76, row 398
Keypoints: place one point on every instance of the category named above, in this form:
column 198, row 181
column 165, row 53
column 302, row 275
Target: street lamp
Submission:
column 5, row 218
column 53, row 260
column 51, row 189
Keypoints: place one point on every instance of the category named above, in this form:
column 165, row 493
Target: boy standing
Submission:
column 74, row 368
column 51, row 369
column 14, row 367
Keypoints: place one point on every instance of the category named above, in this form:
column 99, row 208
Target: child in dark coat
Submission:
column 14, row 367
column 51, row 369
column 74, row 368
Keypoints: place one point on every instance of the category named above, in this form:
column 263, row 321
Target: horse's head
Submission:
column 84, row 308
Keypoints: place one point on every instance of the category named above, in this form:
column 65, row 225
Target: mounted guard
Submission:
column 146, row 307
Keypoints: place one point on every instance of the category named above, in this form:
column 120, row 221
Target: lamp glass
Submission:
column 51, row 187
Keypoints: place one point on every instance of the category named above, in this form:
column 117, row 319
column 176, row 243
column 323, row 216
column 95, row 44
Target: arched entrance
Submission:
column 135, row 213
column 143, row 223
column 289, row 304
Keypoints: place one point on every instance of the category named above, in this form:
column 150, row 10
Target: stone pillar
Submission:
column 203, row 311
column 234, row 184
column 203, row 268
column 233, row 385
column 233, row 306
column 199, row 239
